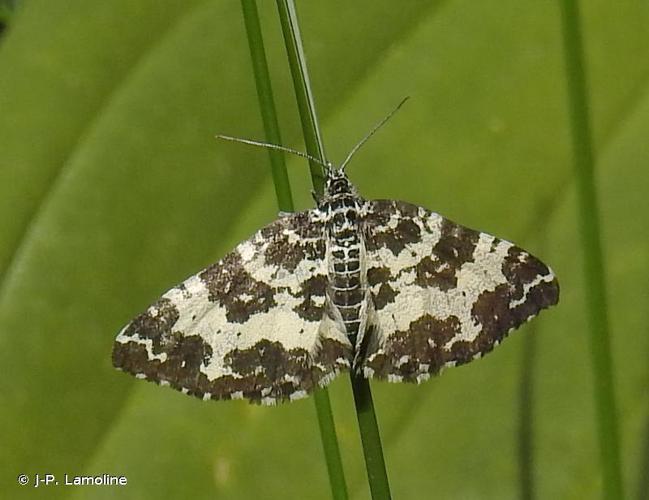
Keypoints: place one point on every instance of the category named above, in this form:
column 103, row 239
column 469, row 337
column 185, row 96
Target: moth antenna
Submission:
column 372, row 132
column 274, row 146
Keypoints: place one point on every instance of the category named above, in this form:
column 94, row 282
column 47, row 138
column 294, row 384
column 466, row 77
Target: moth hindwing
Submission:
column 385, row 288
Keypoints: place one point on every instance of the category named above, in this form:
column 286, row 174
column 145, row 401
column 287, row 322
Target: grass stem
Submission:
column 589, row 227
column 526, row 412
column 267, row 104
column 370, row 437
column 303, row 93
column 285, row 202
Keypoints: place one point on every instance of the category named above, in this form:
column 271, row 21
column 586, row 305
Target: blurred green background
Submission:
column 112, row 189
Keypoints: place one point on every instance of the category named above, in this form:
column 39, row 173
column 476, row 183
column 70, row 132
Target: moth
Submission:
column 384, row 288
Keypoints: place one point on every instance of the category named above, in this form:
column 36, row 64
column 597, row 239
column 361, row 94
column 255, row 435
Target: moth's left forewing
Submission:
column 443, row 294
column 248, row 326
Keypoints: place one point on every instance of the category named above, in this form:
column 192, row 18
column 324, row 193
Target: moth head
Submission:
column 337, row 182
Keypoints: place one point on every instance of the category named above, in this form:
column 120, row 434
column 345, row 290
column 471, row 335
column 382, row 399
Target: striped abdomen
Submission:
column 345, row 282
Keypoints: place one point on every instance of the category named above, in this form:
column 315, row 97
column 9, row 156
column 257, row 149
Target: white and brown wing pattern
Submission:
column 249, row 326
column 443, row 294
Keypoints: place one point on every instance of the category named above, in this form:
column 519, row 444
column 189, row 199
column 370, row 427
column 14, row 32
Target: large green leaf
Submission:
column 112, row 189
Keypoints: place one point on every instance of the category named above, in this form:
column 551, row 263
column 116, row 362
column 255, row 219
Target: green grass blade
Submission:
column 370, row 437
column 527, row 395
column 595, row 289
column 303, row 94
column 285, row 202
column 643, row 479
column 330, row 444
column 315, row 147
column 526, row 422
column 267, row 104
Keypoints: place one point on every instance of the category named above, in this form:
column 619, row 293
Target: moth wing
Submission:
column 443, row 294
column 249, row 326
